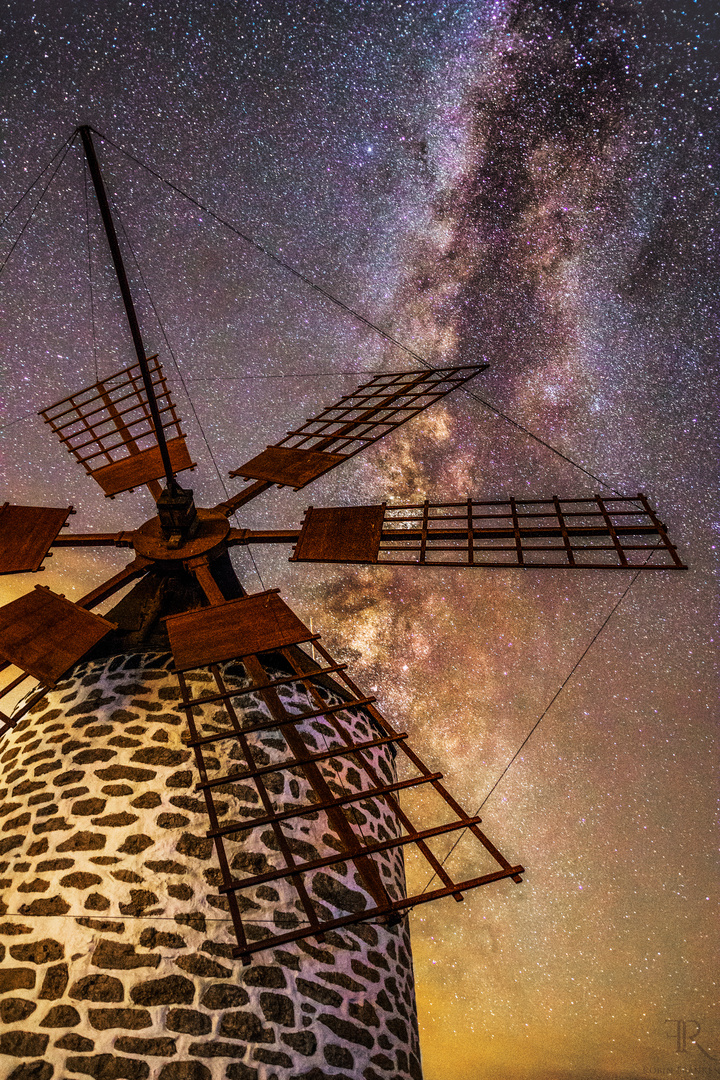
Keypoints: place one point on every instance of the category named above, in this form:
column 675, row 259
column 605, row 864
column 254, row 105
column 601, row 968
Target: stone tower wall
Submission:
column 116, row 955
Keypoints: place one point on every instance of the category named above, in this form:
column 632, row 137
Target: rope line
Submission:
column 172, row 354
column 547, row 708
column 182, row 379
column 11, row 423
column 38, row 177
column 344, row 306
column 300, row 375
column 32, row 212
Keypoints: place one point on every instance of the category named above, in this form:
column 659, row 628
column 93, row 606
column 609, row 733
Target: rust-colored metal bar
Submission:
column 397, row 906
column 231, row 505
column 370, row 771
column 212, row 815
column 422, row 768
column 133, row 570
column 566, row 539
column 201, row 569
column 121, row 539
column 424, row 531
column 611, row 530
column 77, row 401
column 312, row 808
column 208, row 699
column 516, row 531
column 99, row 439
column 331, row 860
column 291, row 763
column 220, row 736
column 661, row 532
column 281, row 839
column 298, row 747
column 103, row 203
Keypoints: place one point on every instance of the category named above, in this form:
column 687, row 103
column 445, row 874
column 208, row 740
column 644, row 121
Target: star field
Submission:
column 531, row 182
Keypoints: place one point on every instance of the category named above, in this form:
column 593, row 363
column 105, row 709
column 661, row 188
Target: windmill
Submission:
column 230, row 648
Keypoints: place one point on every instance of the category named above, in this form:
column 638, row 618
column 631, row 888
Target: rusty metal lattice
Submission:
column 354, row 732
column 583, row 533
column 371, row 411
column 109, row 429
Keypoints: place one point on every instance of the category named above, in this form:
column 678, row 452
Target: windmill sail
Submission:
column 578, row 533
column 27, row 534
column 44, row 634
column 357, row 420
column 109, row 429
column 332, row 742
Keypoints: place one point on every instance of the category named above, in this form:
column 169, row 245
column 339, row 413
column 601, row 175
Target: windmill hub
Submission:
column 210, row 530
column 177, row 513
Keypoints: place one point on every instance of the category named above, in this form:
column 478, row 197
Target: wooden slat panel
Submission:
column 45, row 634
column 341, row 534
column 138, row 469
column 254, row 624
column 26, row 533
column 286, row 465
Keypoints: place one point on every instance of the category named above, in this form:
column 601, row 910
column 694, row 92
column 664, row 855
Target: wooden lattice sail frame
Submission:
column 108, row 428
column 373, row 410
column 248, row 630
column 596, row 533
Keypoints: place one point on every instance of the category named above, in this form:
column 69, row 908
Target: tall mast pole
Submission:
column 101, row 193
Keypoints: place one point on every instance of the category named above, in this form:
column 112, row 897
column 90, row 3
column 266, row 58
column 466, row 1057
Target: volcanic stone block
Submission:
column 186, row 1070
column 73, row 1041
column 97, row 988
column 345, row 1030
column 37, row 952
column 303, row 1041
column 16, row 979
column 122, row 956
column 54, row 983
column 152, row 1047
column 261, row 975
column 61, row 1016
column 172, row 990
column 108, row 1067
column 102, row 1019
column 224, row 997
column 188, row 1022
column 12, row 1010
column 23, row 1043
column 202, row 966
column 33, row 1070
column 245, row 1025
column 217, row 1049
column 278, row 1009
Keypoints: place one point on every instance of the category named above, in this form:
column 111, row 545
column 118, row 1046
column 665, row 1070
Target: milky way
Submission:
column 527, row 182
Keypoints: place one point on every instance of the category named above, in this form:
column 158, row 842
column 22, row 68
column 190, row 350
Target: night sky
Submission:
column 533, row 183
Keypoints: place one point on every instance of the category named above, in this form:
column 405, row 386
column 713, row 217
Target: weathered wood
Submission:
column 374, row 409
column 26, row 535
column 538, row 534
column 44, row 634
column 110, row 428
column 139, row 469
column 254, row 624
column 334, row 802
column 340, row 534
column 286, row 465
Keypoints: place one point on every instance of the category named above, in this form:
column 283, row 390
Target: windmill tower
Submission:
column 206, row 826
